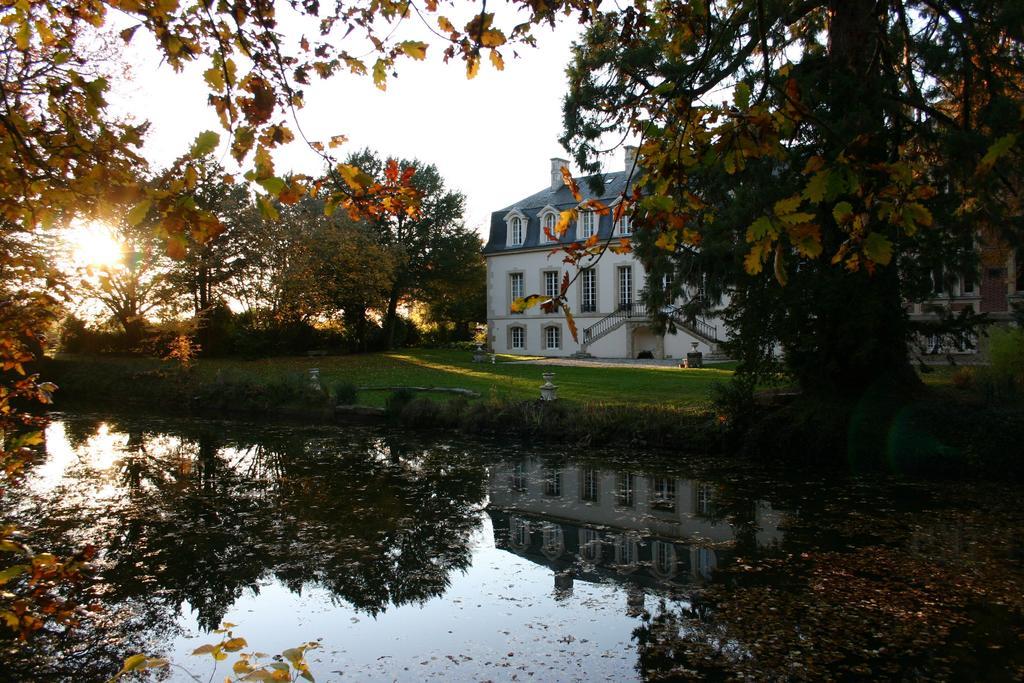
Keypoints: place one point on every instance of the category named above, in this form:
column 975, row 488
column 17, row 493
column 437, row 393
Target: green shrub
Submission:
column 420, row 412
column 397, row 401
column 342, row 393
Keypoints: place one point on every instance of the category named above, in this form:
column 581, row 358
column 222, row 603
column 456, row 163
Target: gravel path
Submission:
column 602, row 362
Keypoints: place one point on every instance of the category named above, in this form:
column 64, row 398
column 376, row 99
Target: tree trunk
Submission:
column 856, row 327
column 391, row 318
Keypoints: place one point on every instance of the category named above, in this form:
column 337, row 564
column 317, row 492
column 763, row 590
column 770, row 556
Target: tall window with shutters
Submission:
column 625, row 287
column 587, row 224
column 551, row 285
column 516, row 288
column 588, row 291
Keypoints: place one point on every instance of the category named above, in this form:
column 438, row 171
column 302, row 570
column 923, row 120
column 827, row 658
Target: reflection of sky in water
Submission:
column 503, row 616
column 483, row 561
column 498, row 619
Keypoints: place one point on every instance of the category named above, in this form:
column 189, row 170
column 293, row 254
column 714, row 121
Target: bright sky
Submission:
column 491, row 137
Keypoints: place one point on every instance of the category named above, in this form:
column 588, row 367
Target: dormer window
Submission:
column 516, row 222
column 548, row 220
column 624, row 226
column 517, row 230
column 587, row 224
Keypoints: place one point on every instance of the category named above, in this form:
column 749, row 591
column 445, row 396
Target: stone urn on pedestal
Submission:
column 694, row 358
column 548, row 391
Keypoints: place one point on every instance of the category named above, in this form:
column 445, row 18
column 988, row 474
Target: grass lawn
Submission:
column 670, row 387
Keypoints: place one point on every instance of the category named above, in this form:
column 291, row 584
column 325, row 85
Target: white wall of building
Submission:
column 626, row 341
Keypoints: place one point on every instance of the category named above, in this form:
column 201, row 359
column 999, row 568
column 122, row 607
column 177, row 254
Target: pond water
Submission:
column 419, row 556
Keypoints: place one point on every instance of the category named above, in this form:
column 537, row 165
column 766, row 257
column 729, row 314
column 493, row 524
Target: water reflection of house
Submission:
column 592, row 523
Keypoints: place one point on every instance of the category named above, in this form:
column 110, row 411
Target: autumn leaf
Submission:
column 354, row 176
column 997, row 149
column 571, row 184
column 878, row 248
column 496, row 61
column 842, row 212
column 267, row 209
column 788, row 205
column 753, row 262
column 666, row 240
column 445, row 25
column 817, row 186
column 205, row 143
column 492, row 38
column 760, row 229
column 380, row 74
column 472, row 66
column 624, row 246
column 564, row 219
column 414, row 48
column 523, row 303
column 571, row 323
column 214, row 77
column 138, row 212
column 176, row 247
column 915, row 214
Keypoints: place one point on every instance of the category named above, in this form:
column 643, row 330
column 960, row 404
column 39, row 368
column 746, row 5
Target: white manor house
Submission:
column 606, row 299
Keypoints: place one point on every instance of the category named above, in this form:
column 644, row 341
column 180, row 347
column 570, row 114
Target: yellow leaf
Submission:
column 492, row 38
column 842, row 212
column 472, row 66
column 878, row 248
column 564, row 219
column 523, row 303
column 760, row 229
column 787, row 205
column 753, row 262
column 138, row 212
column 380, row 74
column 133, row 663
column 445, row 25
column 414, row 48
column 817, row 186
column 666, row 240
column 497, row 61
column 45, row 34
column 267, row 209
column 214, row 76
column 191, row 177
column 235, row 644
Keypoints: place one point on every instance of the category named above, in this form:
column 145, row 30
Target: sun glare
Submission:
column 94, row 245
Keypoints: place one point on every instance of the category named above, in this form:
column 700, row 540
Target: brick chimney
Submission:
column 556, row 172
column 631, row 159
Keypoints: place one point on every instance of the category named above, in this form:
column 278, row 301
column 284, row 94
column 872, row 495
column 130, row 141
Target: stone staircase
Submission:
column 698, row 328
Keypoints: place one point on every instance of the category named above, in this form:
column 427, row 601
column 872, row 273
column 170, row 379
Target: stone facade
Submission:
column 522, row 260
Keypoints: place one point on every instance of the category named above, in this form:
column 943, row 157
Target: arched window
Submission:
column 516, row 221
column 548, row 220
column 517, row 230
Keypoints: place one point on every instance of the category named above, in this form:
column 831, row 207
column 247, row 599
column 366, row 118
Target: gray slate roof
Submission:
column 560, row 199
